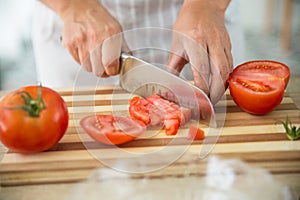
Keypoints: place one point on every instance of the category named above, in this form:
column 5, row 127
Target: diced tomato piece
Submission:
column 171, row 126
column 138, row 110
column 154, row 110
column 195, row 133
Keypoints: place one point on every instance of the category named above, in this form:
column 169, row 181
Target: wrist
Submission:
column 76, row 6
column 63, row 7
column 218, row 5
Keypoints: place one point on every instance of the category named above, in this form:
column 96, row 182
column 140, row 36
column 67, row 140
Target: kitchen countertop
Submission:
column 256, row 140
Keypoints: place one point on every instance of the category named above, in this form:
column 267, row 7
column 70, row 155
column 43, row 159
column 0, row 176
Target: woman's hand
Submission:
column 200, row 38
column 91, row 35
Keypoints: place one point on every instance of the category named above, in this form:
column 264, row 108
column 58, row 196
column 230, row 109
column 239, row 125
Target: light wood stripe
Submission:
column 256, row 139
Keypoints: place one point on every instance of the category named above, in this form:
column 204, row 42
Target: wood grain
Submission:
column 258, row 140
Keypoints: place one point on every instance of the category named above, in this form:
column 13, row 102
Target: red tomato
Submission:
column 171, row 126
column 32, row 119
column 195, row 133
column 258, row 87
column 113, row 130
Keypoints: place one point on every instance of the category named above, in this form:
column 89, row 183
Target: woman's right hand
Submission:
column 92, row 36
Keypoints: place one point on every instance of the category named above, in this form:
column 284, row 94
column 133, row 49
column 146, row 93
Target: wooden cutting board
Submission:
column 258, row 140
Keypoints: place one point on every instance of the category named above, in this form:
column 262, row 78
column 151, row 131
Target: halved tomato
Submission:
column 258, row 86
column 113, row 130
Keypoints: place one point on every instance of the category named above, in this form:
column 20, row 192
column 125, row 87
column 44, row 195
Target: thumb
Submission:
column 175, row 63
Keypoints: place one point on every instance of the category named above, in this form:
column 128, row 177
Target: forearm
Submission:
column 61, row 7
column 219, row 5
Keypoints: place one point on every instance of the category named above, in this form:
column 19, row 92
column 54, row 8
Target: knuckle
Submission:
column 223, row 71
column 197, row 35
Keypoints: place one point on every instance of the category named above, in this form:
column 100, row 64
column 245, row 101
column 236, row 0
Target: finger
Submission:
column 175, row 63
column 96, row 61
column 111, row 51
column 87, row 64
column 199, row 61
column 229, row 58
column 73, row 51
column 220, row 69
column 177, row 59
column 84, row 58
column 125, row 47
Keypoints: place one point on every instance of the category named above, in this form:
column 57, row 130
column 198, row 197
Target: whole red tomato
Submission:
column 32, row 119
column 258, row 86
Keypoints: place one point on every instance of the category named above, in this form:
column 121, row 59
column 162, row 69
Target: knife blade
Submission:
column 145, row 79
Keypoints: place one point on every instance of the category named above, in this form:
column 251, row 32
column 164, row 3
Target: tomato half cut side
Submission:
column 274, row 70
column 112, row 130
column 258, row 86
column 257, row 97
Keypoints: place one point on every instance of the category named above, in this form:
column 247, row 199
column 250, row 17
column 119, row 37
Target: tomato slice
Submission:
column 195, row 133
column 112, row 130
column 171, row 126
column 258, row 87
column 154, row 111
column 138, row 109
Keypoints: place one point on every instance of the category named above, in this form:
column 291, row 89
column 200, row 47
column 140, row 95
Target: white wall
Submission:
column 15, row 22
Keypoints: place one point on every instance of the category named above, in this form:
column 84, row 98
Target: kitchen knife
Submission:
column 145, row 79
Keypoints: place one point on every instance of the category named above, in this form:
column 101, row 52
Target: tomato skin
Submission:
column 257, row 87
column 25, row 134
column 112, row 130
column 258, row 103
column 171, row 126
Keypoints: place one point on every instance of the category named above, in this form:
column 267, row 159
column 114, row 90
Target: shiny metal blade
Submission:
column 145, row 79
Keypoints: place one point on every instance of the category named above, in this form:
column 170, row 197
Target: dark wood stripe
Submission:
column 90, row 162
column 92, row 92
column 228, row 139
column 96, row 103
column 234, row 109
column 258, row 121
column 78, row 170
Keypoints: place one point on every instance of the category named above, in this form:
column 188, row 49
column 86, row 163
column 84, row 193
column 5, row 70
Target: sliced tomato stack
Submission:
column 154, row 111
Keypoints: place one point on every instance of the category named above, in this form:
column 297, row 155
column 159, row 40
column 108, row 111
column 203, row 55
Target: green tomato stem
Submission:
column 32, row 106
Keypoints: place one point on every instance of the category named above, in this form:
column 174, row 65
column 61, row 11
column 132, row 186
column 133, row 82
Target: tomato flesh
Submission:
column 154, row 111
column 195, row 133
column 258, row 87
column 266, row 67
column 112, row 130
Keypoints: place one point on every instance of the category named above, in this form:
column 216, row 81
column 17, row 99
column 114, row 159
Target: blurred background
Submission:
column 271, row 31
